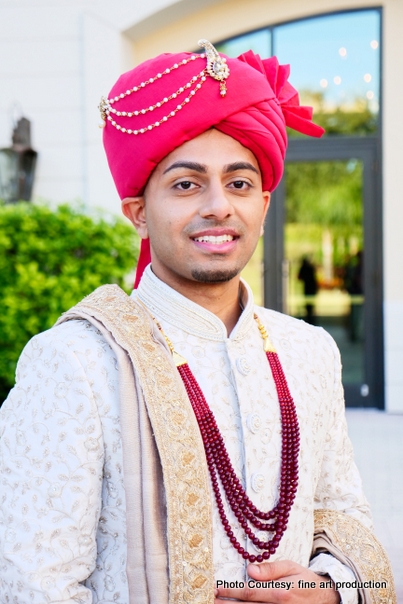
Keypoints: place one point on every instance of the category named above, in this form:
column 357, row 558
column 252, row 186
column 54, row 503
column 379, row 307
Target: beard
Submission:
column 214, row 276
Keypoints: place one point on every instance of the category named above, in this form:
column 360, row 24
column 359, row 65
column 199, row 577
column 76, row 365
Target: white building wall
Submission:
column 39, row 72
column 392, row 200
column 58, row 57
column 56, row 60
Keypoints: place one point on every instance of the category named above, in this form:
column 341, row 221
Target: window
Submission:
column 335, row 65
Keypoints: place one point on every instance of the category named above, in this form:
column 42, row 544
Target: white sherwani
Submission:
column 62, row 518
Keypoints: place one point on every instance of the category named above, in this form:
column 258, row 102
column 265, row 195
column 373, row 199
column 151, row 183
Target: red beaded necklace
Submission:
column 275, row 521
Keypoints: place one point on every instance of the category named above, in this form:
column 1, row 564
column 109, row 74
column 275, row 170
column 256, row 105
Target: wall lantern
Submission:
column 17, row 165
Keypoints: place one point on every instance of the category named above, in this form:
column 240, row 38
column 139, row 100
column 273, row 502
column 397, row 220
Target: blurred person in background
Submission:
column 353, row 284
column 307, row 274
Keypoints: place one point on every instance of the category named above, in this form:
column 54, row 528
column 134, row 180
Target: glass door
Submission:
column 323, row 254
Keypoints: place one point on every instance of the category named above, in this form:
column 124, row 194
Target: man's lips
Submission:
column 216, row 240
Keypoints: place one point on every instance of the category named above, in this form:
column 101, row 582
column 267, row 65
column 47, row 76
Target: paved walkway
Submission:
column 378, row 445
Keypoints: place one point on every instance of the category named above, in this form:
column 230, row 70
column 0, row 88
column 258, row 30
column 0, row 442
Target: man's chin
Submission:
column 214, row 276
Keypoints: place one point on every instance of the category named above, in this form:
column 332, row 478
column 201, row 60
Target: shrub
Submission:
column 49, row 260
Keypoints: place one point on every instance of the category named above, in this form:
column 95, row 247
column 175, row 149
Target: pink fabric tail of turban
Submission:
column 148, row 117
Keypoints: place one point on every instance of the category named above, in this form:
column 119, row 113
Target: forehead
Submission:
column 212, row 149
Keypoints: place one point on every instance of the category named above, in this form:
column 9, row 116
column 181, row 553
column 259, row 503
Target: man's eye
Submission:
column 185, row 185
column 239, row 184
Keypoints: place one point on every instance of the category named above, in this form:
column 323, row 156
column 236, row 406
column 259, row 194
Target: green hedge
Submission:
column 49, row 260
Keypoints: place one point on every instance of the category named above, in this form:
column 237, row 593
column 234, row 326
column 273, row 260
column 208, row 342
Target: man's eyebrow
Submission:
column 189, row 165
column 239, row 165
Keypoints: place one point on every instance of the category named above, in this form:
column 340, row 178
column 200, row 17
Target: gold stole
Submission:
column 357, row 547
column 185, row 474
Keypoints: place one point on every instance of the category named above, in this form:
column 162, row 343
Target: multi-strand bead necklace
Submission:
column 220, row 468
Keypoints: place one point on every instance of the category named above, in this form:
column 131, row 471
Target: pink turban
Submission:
column 147, row 116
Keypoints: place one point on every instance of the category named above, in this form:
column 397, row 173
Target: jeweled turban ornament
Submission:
column 216, row 68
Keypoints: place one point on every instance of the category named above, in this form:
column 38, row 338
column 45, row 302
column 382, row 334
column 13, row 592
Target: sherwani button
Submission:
column 258, row 482
column 254, row 422
column 243, row 365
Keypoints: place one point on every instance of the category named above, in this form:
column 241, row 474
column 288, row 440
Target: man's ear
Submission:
column 266, row 204
column 134, row 209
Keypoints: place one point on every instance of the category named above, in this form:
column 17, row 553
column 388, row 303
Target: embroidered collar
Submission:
column 167, row 304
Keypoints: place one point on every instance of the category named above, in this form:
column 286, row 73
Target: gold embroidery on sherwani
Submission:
column 178, row 441
column 362, row 548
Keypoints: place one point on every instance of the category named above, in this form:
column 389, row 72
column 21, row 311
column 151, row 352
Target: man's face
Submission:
column 203, row 210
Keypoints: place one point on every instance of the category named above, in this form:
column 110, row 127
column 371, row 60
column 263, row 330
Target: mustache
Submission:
column 202, row 225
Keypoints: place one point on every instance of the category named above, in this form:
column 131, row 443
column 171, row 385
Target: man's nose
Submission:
column 216, row 203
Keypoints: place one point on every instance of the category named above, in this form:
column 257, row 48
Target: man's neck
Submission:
column 221, row 299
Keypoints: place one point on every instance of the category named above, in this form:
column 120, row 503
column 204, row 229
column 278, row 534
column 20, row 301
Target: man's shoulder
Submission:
column 295, row 332
column 74, row 330
column 283, row 321
column 70, row 339
column 68, row 333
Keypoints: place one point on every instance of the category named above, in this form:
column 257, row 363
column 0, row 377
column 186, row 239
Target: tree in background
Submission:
column 356, row 118
column 49, row 260
column 324, row 196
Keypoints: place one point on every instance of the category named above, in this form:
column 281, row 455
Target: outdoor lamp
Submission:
column 17, row 165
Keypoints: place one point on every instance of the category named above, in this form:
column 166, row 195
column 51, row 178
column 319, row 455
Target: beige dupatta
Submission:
column 169, row 522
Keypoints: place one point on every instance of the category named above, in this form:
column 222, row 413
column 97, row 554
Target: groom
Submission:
column 183, row 445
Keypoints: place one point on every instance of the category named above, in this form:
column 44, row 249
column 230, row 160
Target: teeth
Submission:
column 213, row 239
